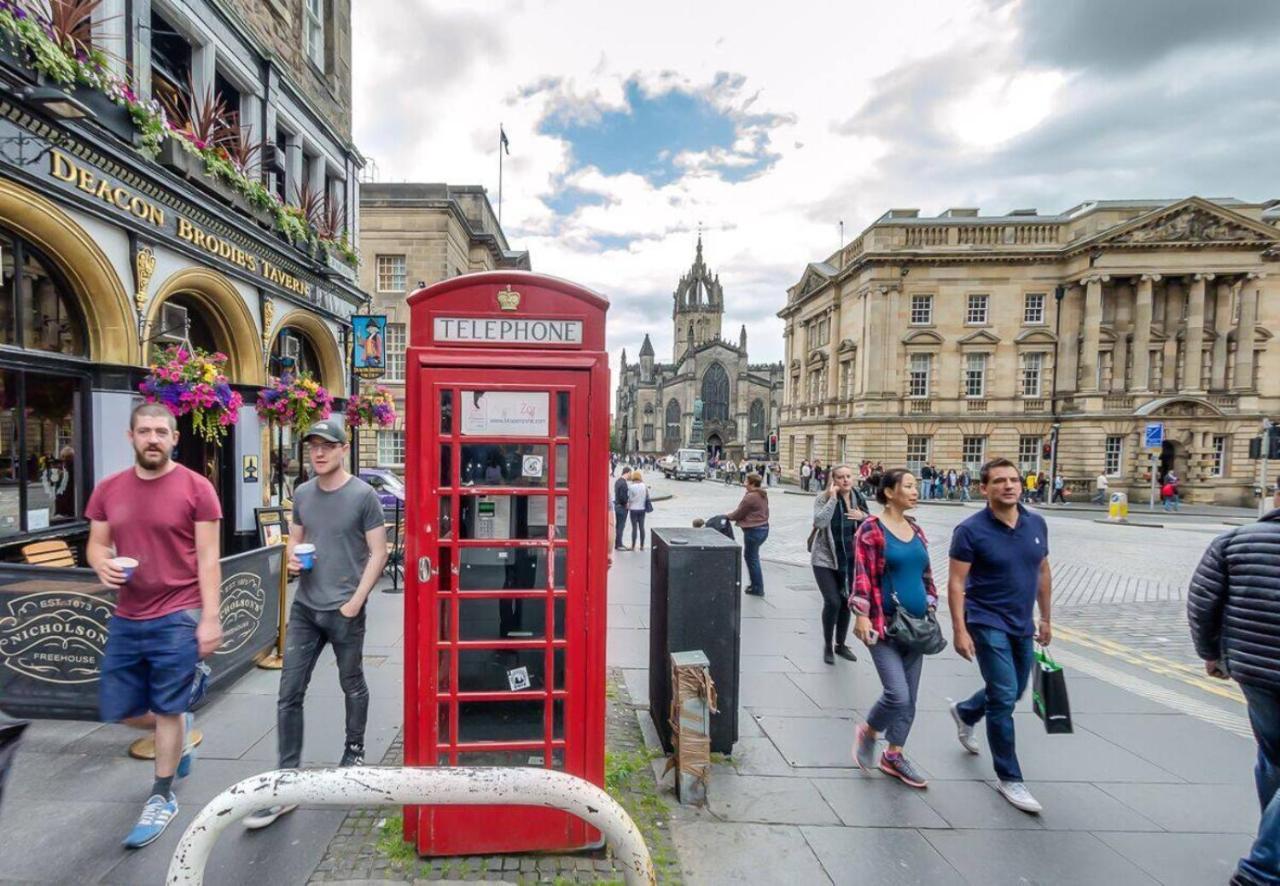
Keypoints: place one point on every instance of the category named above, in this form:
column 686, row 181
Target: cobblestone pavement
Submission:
column 368, row 846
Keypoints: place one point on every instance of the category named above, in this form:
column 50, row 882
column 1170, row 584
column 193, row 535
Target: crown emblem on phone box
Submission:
column 509, row 300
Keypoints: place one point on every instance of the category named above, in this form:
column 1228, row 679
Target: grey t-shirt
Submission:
column 335, row 522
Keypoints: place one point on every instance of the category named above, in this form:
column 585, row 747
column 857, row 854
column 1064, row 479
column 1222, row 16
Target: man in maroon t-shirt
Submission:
column 165, row 519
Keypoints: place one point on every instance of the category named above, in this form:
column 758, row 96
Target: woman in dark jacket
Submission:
column 752, row 517
column 836, row 515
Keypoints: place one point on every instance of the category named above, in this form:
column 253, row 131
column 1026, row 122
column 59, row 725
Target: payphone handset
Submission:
column 493, row 517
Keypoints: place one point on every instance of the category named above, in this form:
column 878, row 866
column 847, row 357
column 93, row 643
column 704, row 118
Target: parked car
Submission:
column 389, row 487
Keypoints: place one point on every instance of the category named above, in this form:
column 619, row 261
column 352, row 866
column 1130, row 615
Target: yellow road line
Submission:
column 1154, row 663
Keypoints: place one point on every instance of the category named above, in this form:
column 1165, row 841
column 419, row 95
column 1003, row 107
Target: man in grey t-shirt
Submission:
column 339, row 515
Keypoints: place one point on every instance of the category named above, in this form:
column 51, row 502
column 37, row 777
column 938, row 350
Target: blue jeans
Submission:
column 1005, row 661
column 1171, row 503
column 925, row 489
column 751, row 540
column 1263, row 861
column 895, row 710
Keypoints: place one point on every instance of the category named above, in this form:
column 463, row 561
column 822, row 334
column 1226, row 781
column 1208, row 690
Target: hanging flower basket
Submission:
column 372, row 409
column 188, row 380
column 295, row 401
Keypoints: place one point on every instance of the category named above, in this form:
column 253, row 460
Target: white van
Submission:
column 690, row 464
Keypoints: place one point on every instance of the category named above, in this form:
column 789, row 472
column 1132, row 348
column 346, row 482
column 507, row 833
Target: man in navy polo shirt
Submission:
column 999, row 572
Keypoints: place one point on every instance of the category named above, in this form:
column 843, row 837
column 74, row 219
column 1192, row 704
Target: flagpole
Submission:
column 500, row 133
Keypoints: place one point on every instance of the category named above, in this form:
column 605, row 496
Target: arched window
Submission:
column 671, row 439
column 757, row 420
column 715, row 394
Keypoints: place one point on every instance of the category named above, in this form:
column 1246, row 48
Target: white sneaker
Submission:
column 1017, row 794
column 263, row 817
column 964, row 731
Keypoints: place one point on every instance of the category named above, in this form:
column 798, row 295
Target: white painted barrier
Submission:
column 395, row 786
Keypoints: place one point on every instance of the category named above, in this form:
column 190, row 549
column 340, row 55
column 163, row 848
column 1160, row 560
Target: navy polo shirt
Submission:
column 1004, row 569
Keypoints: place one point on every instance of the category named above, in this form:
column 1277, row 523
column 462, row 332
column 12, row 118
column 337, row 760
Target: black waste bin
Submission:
column 695, row 602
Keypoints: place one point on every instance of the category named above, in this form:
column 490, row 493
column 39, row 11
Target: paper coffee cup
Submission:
column 306, row 554
column 126, row 564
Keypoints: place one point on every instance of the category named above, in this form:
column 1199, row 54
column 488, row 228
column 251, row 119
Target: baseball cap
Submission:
column 327, row 429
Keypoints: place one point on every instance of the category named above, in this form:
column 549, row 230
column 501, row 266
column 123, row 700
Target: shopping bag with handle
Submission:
column 1049, row 694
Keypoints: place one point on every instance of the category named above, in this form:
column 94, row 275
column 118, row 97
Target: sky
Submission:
column 766, row 125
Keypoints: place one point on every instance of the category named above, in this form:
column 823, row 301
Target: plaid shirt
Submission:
column 868, row 573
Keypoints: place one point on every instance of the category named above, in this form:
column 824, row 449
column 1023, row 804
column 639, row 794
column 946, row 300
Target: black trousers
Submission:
column 619, row 524
column 637, row 527
column 835, row 605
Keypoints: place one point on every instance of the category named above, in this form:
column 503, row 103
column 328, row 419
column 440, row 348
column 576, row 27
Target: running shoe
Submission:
column 864, row 748
column 352, row 755
column 964, row 731
column 156, row 815
column 263, row 817
column 1017, row 794
column 188, row 758
column 902, row 769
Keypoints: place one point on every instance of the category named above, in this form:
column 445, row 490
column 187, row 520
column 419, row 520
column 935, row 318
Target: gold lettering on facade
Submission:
column 65, row 169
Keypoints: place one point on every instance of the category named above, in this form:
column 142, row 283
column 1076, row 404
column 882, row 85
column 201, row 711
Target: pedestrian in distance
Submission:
column 926, row 481
column 1169, row 492
column 620, row 497
column 338, row 548
column 1059, row 490
column 752, row 517
column 952, row 482
column 1042, row 488
column 1233, row 608
column 154, row 532
column 965, row 482
column 1100, row 485
column 639, row 504
column 999, row 572
column 1030, row 488
column 892, row 569
column 806, row 473
column 837, row 513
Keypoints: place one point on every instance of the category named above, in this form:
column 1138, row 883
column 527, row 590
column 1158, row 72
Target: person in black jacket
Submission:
column 620, row 507
column 1234, row 611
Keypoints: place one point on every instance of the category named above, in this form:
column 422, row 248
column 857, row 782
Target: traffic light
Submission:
column 1273, row 450
column 1267, row 446
column 773, row 444
column 1047, row 451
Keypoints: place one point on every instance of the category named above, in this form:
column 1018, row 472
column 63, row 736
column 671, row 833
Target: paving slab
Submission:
column 774, row 692
column 878, row 803
column 811, row 741
column 628, row 648
column 1193, row 808
column 1079, row 806
column 863, row 856
column 1017, row 858
column 767, row 800
column 1182, row 859
column 714, row 853
column 975, row 805
column 1190, row 748
column 759, row 756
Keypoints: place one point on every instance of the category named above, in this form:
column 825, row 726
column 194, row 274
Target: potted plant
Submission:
column 294, row 400
column 373, row 409
column 187, row 380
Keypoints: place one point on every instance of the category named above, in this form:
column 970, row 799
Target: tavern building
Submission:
column 963, row 337
column 710, row 396
column 110, row 252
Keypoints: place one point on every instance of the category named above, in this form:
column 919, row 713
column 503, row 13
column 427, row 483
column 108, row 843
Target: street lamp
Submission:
column 1059, row 292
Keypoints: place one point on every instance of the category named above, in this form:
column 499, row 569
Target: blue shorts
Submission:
column 149, row 665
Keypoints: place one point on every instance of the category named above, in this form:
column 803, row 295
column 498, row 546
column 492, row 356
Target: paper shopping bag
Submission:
column 1049, row 694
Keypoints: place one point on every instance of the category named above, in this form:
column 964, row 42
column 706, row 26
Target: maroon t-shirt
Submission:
column 154, row 522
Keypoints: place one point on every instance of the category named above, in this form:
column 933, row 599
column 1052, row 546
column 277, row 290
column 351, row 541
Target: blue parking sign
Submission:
column 1153, row 435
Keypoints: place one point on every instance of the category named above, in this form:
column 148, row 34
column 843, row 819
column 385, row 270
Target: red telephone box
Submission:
column 507, row 435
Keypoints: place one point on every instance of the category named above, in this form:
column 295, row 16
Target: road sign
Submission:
column 1153, row 435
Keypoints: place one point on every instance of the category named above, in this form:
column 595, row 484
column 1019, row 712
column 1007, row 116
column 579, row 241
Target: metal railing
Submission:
column 395, row 786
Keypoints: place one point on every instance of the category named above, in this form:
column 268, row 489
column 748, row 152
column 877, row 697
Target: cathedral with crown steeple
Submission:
column 709, row 396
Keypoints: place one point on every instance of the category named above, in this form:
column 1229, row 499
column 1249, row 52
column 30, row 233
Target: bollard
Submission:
column 1118, row 511
column 693, row 700
column 395, row 786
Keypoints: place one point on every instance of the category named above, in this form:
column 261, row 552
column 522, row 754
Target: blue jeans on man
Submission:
column 752, row 539
column 619, row 524
column 1262, row 865
column 1005, row 661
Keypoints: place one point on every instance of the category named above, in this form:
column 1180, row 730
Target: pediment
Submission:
column 847, row 345
column 922, row 337
column 1036, row 336
column 795, row 363
column 980, row 337
column 816, row 357
column 815, row 276
column 1190, row 221
column 1157, row 334
column 1261, row 335
column 1106, row 335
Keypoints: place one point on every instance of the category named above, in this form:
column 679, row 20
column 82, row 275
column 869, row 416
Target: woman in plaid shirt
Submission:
column 891, row 569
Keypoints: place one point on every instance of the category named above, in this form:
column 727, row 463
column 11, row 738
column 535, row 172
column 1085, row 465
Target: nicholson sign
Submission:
column 503, row 330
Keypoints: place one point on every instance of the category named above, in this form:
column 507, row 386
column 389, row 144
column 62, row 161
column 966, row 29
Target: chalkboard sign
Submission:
column 54, row 622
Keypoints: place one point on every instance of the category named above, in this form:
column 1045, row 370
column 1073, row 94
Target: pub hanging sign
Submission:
column 369, row 355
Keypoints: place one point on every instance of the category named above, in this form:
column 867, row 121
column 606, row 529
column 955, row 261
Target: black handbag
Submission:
column 911, row 633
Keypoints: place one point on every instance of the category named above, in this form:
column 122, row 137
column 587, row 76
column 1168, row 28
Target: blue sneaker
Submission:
column 188, row 746
column 155, row 817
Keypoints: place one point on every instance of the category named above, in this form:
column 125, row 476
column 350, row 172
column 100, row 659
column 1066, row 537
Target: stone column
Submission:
column 1068, row 335
column 1245, row 332
column 1221, row 325
column 833, row 348
column 1123, row 294
column 1193, row 344
column 878, row 298
column 1092, row 321
column 1142, row 333
column 1173, row 295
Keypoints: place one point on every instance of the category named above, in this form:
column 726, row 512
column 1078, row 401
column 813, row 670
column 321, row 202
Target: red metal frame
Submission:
column 433, row 695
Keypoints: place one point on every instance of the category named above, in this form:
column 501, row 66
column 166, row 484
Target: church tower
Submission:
column 698, row 306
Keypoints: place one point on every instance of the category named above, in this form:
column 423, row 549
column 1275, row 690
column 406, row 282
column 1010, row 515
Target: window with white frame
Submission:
column 975, row 376
column 842, row 449
column 846, row 380
column 391, row 448
column 974, row 453
column 976, row 310
column 391, row 273
column 921, row 310
column 315, row 32
column 918, row 375
column 1029, row 451
column 1218, row 456
column 1032, row 371
column 395, row 348
column 917, row 453
column 1113, row 453
column 1033, row 309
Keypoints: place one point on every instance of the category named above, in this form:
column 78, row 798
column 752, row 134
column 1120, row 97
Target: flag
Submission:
column 502, row 140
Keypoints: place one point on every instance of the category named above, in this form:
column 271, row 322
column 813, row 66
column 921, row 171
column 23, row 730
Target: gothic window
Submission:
column 672, row 437
column 757, row 420
column 715, row 394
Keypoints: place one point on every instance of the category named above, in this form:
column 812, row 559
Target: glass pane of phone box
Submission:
column 508, row 618
column 516, row 569
column 510, row 516
column 507, row 670
column 508, row 720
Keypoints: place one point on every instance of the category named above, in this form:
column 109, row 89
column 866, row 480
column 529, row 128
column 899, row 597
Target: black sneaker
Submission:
column 846, row 653
column 352, row 755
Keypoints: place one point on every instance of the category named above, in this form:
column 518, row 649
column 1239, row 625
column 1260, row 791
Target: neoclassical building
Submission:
column 958, row 338
column 710, row 396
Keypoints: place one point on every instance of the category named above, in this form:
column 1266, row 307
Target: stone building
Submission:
column 958, row 338
column 119, row 236
column 413, row 235
column 710, row 396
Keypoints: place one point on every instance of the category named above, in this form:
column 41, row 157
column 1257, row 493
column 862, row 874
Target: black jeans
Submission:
column 637, row 527
column 619, row 524
column 309, row 629
column 835, row 605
